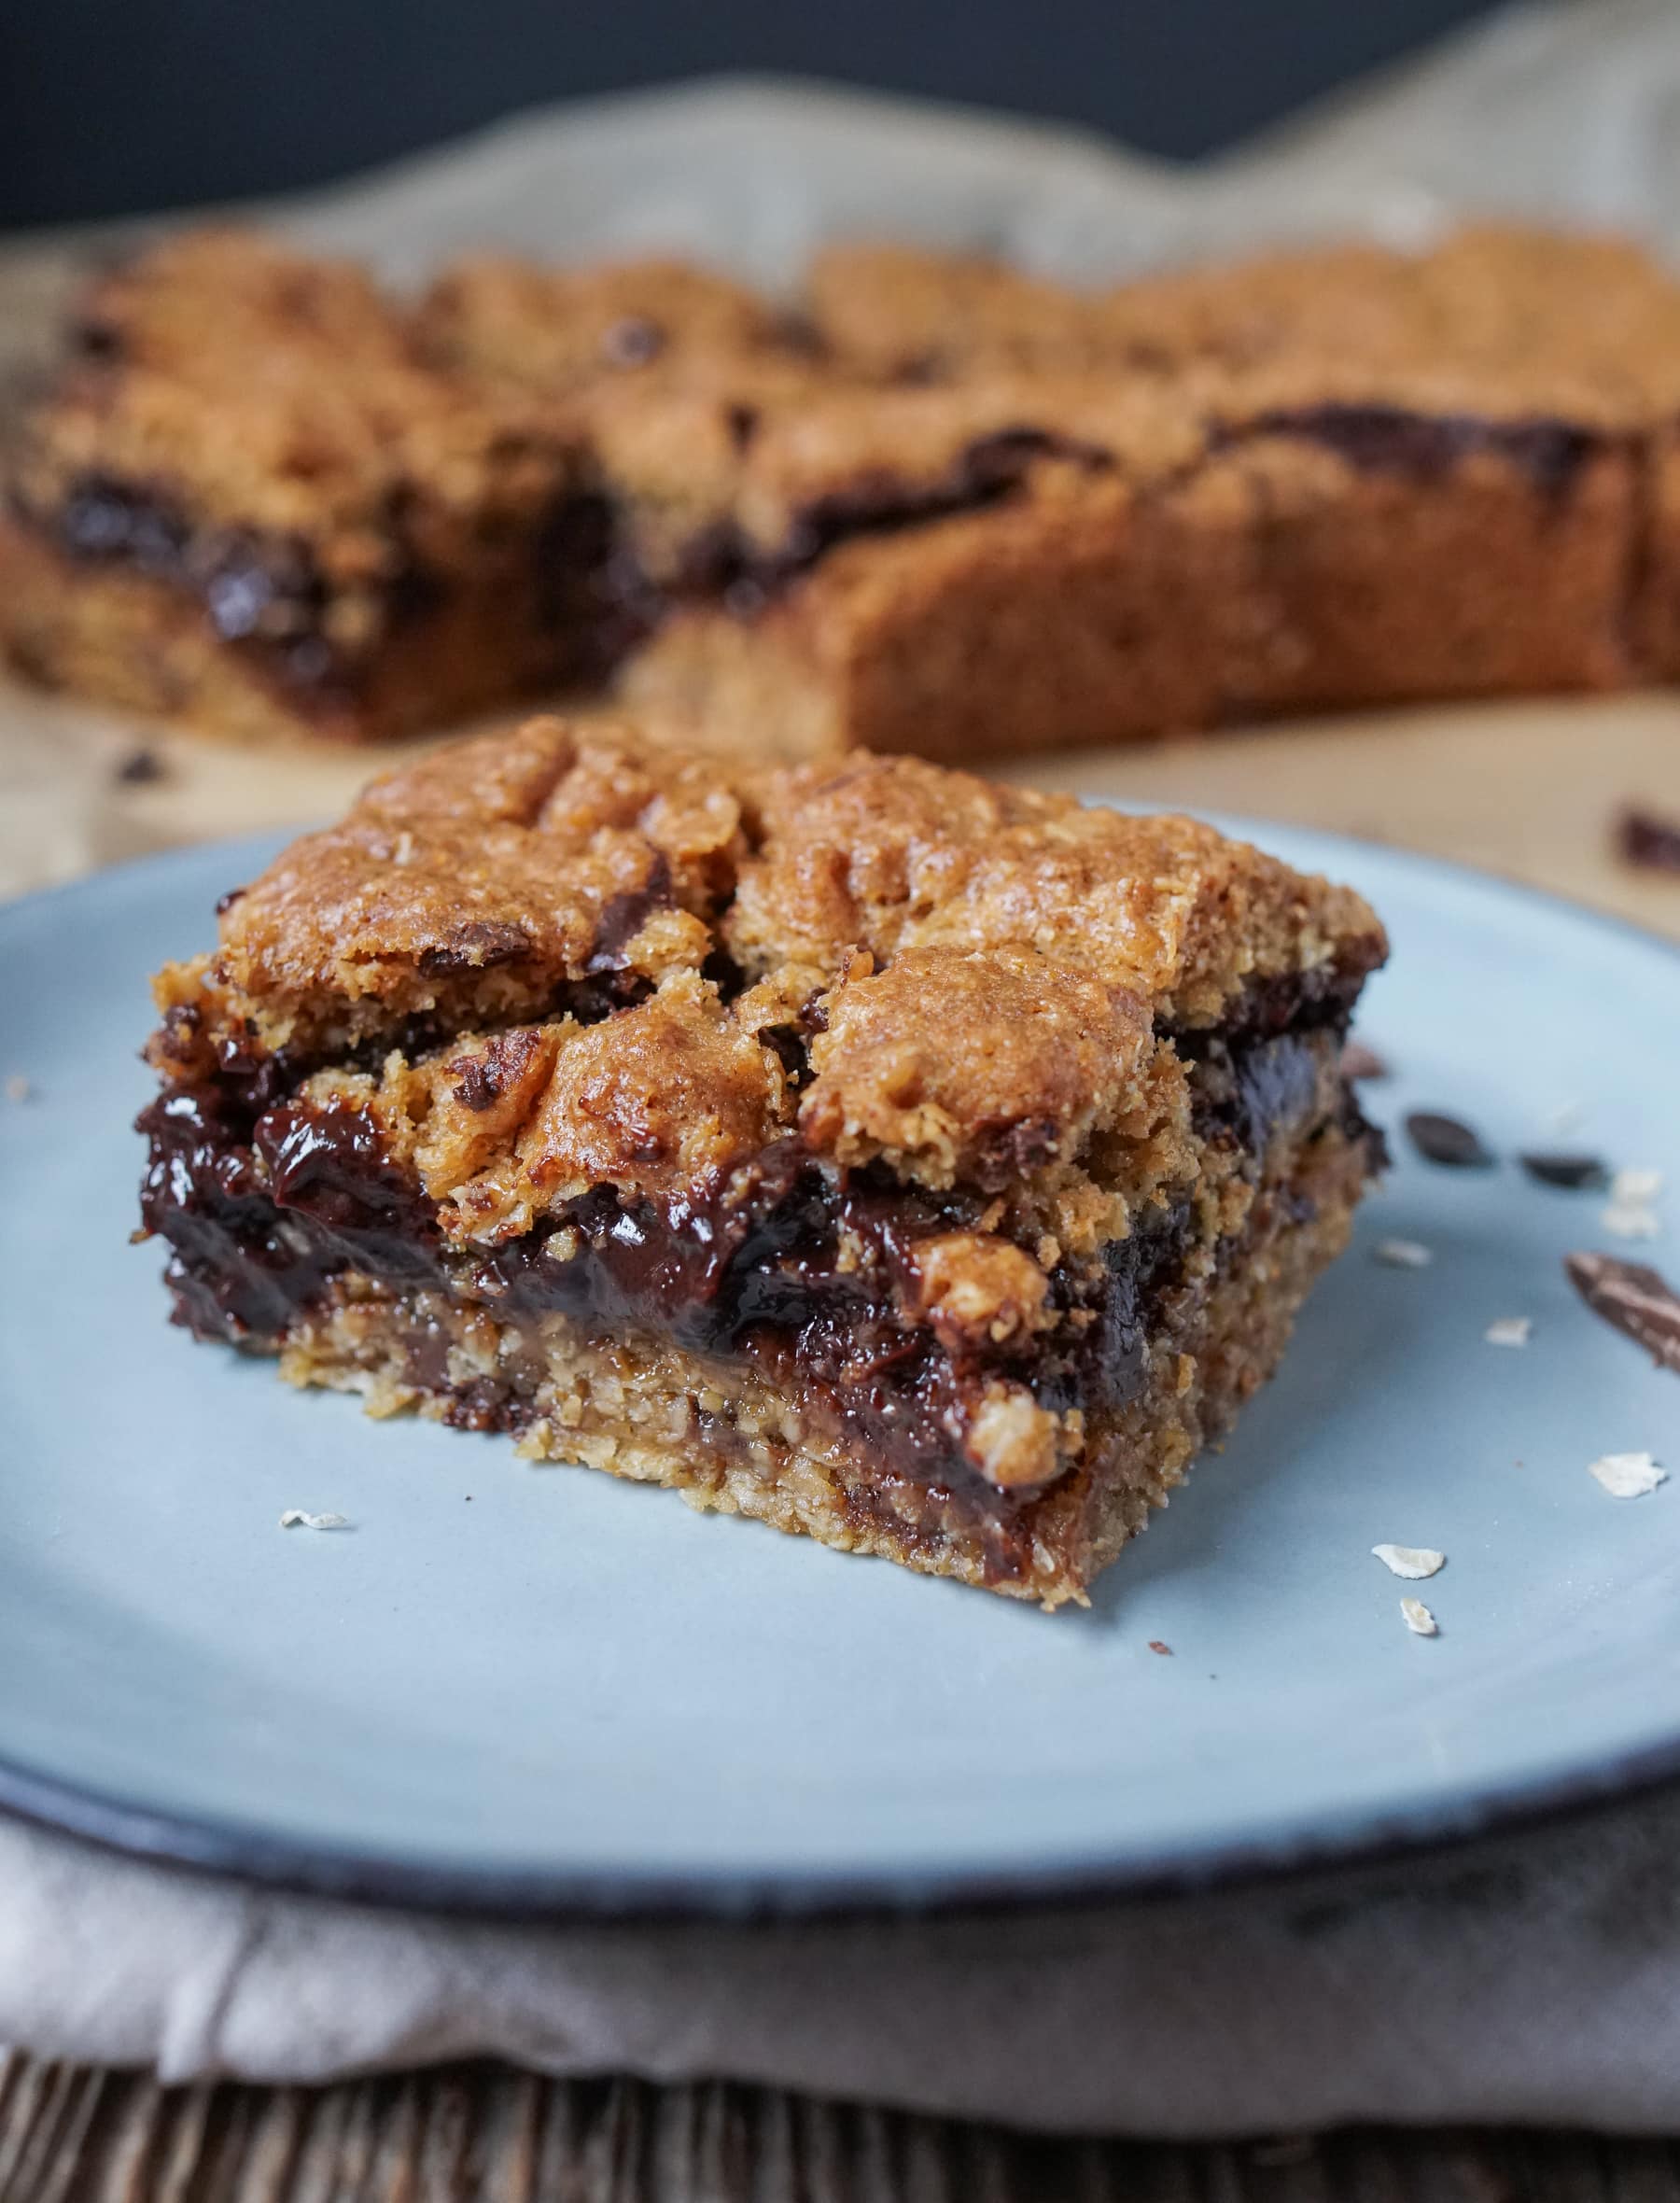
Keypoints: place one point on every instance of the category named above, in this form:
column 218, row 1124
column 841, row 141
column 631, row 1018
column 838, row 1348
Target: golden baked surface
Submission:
column 966, row 959
column 556, row 330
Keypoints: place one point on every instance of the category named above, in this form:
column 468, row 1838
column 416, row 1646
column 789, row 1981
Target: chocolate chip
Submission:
column 140, row 766
column 95, row 339
column 1446, row 1140
column 1634, row 1299
column 1358, row 1062
column 474, row 1090
column 623, row 915
column 225, row 903
column 742, row 423
column 1649, row 841
column 1014, row 1151
column 788, row 1044
column 483, row 1080
column 1572, row 1172
column 475, row 946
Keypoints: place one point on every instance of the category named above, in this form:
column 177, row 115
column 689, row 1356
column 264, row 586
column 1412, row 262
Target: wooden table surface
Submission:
column 1527, row 789
column 484, row 2134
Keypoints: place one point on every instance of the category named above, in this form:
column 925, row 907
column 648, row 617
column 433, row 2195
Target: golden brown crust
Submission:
column 476, row 884
column 981, row 971
column 1047, row 1055
column 206, row 294
column 894, row 854
column 1516, row 299
column 269, row 441
column 557, row 331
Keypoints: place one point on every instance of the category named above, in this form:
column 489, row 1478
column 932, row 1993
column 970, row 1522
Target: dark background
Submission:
column 110, row 107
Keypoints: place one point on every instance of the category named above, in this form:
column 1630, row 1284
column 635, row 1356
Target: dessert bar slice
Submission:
column 246, row 503
column 1013, row 562
column 929, row 1167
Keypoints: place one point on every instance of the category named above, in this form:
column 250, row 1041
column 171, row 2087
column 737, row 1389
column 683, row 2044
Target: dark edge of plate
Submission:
column 536, row 1896
column 242, row 1852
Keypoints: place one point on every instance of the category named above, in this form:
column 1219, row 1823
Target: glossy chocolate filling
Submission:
column 798, row 1268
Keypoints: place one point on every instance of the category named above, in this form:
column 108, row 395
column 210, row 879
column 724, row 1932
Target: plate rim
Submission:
column 229, row 1848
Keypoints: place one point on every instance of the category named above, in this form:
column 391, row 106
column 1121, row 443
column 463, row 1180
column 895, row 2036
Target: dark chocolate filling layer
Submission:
column 804, row 1270
column 1394, row 439
column 265, row 593
column 262, row 590
column 722, row 562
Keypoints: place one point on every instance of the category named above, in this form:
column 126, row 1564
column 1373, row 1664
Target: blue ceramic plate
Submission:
column 510, row 1686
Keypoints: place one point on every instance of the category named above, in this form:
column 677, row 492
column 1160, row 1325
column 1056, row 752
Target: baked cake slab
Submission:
column 929, row 1167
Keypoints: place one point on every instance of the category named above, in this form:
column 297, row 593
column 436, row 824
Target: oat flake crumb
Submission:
column 1509, row 1330
column 1628, row 1476
column 1636, row 1189
column 1418, row 1620
column 1155, row 1646
column 1410, row 1561
column 298, row 1518
column 17, row 1087
column 1630, row 1221
column 1402, row 1254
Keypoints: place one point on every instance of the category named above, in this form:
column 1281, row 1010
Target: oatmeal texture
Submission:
column 928, row 1166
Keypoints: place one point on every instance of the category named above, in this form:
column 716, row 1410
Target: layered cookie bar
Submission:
column 1013, row 562
column 929, row 1167
column 246, row 503
column 953, row 510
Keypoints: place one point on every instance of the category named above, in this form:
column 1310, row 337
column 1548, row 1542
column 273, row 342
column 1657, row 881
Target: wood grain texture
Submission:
column 485, row 2134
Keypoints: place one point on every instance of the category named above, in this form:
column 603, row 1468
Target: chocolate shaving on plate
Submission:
column 1445, row 1140
column 1649, row 841
column 1572, row 1172
column 1634, row 1299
